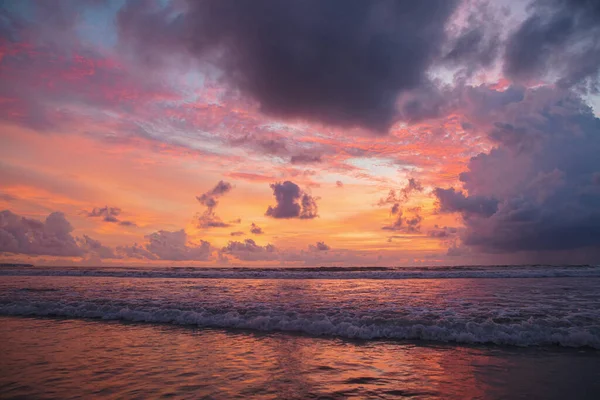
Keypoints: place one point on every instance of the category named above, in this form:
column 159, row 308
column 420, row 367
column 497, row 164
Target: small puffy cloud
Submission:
column 292, row 202
column 403, row 194
column 248, row 250
column 442, row 232
column 409, row 223
column 339, row 184
column 166, row 245
column 319, row 246
column 406, row 222
column 208, row 219
column 237, row 233
column 255, row 229
column 209, row 199
column 108, row 214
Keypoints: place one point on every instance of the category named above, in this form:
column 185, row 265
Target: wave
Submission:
column 315, row 273
column 528, row 332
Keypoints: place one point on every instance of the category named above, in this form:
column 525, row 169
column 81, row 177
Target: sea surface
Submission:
column 439, row 332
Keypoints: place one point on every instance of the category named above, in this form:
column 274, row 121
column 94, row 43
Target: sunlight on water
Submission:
column 63, row 358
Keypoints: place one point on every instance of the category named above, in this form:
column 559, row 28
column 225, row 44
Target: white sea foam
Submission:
column 334, row 303
column 523, row 333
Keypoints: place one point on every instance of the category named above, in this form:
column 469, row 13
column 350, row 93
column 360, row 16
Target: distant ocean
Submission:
column 446, row 332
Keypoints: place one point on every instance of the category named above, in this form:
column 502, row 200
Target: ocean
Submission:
column 440, row 332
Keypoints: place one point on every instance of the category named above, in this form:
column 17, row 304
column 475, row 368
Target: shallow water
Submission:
column 58, row 358
column 459, row 332
column 508, row 311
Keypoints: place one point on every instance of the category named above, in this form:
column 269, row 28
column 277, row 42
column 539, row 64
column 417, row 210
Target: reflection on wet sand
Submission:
column 68, row 358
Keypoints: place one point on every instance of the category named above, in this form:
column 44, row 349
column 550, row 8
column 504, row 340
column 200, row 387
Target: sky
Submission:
column 299, row 132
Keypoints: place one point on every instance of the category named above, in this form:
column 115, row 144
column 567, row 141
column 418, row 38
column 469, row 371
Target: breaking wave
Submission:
column 528, row 332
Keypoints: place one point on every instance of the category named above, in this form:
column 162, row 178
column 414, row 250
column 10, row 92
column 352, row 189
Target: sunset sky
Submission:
column 297, row 132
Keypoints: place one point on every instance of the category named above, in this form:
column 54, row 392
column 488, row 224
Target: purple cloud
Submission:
column 51, row 237
column 538, row 197
column 109, row 214
column 292, row 202
column 166, row 245
column 208, row 219
column 255, row 229
column 319, row 246
column 248, row 250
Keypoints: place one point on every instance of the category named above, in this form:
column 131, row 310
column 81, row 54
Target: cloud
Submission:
column 340, row 64
column 208, row 219
column 108, row 214
column 452, row 201
column 248, row 250
column 94, row 247
column 166, row 245
column 135, row 251
column 339, row 184
column 306, row 159
column 255, row 229
column 442, row 232
column 237, row 233
column 535, row 191
column 51, row 237
column 209, row 199
column 559, row 39
column 403, row 194
column 403, row 222
column 292, row 202
column 319, row 246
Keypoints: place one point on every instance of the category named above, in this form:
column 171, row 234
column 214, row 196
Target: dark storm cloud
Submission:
column 336, row 62
column 292, row 202
column 477, row 43
column 559, row 38
column 452, row 201
column 535, row 190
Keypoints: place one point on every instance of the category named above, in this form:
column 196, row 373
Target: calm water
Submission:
column 452, row 333
column 50, row 358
